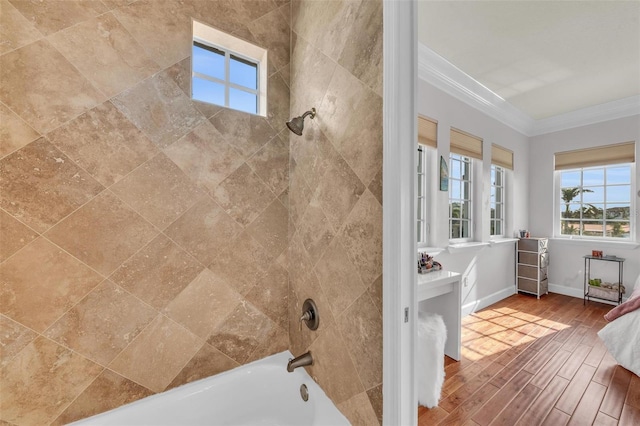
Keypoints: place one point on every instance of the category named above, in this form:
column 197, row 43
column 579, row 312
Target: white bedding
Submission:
column 622, row 339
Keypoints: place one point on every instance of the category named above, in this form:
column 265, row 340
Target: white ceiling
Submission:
column 545, row 58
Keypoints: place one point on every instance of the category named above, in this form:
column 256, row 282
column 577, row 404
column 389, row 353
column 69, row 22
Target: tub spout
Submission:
column 299, row 361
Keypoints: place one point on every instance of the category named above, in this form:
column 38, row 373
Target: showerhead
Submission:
column 296, row 125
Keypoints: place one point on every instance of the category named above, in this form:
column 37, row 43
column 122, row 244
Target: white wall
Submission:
column 567, row 264
column 489, row 271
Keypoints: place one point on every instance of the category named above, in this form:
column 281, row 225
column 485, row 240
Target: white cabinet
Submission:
column 532, row 260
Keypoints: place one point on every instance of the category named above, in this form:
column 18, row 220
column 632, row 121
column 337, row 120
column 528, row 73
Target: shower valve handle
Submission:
column 305, row 317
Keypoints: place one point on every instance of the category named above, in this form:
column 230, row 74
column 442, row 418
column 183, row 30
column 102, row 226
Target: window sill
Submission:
column 625, row 245
column 499, row 241
column 462, row 247
column 431, row 251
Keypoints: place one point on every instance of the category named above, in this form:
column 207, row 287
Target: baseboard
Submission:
column 567, row 291
column 577, row 293
column 482, row 303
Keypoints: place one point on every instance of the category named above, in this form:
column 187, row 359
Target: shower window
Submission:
column 227, row 71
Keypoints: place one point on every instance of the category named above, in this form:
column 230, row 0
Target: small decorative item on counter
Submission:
column 596, row 253
column 426, row 264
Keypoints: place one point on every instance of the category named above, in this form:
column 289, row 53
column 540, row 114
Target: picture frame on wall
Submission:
column 444, row 174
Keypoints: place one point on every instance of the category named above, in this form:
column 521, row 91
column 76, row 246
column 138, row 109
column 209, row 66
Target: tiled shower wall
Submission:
column 143, row 235
column 336, row 199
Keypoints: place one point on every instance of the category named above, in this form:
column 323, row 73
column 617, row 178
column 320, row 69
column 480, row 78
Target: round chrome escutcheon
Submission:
column 304, row 392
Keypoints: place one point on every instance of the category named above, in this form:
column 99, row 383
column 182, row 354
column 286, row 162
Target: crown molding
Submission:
column 442, row 74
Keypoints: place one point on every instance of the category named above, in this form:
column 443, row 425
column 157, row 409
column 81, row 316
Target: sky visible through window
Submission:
column 210, row 81
column 596, row 201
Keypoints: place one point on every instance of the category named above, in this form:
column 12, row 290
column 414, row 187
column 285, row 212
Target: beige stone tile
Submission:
column 15, row 235
column 284, row 7
column 338, row 192
column 13, row 338
column 375, row 398
column 362, row 237
column 41, row 282
column 273, row 32
column 313, row 154
column 207, row 362
column 203, row 304
column 277, row 341
column 376, row 185
column 242, row 264
column 375, row 292
column 270, row 228
column 285, row 73
column 308, row 64
column 300, row 264
column 52, row 16
column 163, row 28
column 278, row 102
column 158, row 190
column 338, row 277
column 112, row 4
column 242, row 332
column 43, row 88
column 40, row 185
column 250, row 10
column 243, row 195
column 315, row 231
column 108, row 391
column 245, row 132
column 103, row 233
column 102, row 324
column 352, row 120
column 361, row 327
column 205, row 156
column 180, row 73
column 159, row 108
column 333, row 367
column 158, row 272
column 271, row 295
column 359, row 411
column 14, row 132
column 15, row 30
column 158, row 354
column 41, row 381
column 323, row 24
column 362, row 53
column 271, row 163
column 204, row 230
column 299, row 194
column 104, row 143
column 104, row 51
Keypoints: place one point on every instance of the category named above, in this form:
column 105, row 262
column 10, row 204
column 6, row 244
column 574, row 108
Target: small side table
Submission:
column 587, row 277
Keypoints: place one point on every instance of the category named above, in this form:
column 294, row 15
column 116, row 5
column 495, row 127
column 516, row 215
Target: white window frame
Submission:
column 470, row 180
column 422, row 197
column 498, row 205
column 244, row 51
column 558, row 204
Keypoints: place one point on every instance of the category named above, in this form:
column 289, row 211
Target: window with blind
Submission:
column 594, row 192
column 465, row 148
column 427, row 136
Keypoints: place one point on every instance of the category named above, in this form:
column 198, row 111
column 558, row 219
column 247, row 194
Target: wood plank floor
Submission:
column 533, row 362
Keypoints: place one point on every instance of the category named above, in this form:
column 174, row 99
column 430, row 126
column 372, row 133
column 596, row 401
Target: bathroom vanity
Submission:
column 439, row 292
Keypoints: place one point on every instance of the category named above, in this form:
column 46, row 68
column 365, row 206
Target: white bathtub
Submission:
column 260, row 393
